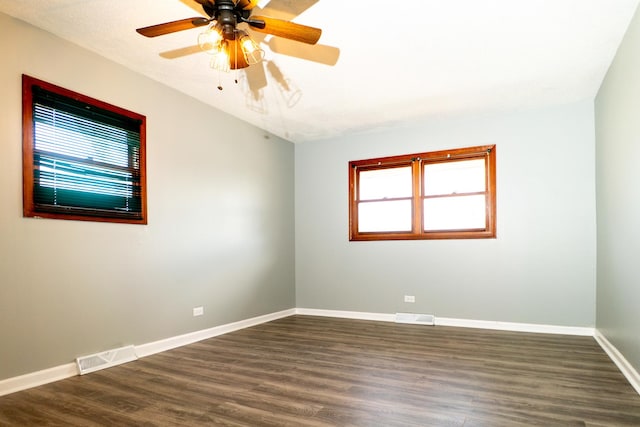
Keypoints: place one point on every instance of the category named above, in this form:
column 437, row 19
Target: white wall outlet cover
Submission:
column 409, row 298
column 198, row 311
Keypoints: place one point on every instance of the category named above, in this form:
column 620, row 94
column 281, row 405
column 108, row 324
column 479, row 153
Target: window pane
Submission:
column 61, row 137
column 74, row 184
column 455, row 213
column 466, row 176
column 384, row 216
column 385, row 183
column 59, row 132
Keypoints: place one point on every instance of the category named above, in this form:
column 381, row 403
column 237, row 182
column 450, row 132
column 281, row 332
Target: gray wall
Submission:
column 540, row 269
column 618, row 198
column 220, row 230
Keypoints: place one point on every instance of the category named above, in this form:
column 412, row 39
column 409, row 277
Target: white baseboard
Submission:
column 34, row 379
column 359, row 315
column 623, row 364
column 180, row 340
column 516, row 327
column 462, row 323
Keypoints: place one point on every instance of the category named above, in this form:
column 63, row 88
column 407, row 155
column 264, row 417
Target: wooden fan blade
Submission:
column 288, row 30
column 173, row 26
column 319, row 53
column 247, row 4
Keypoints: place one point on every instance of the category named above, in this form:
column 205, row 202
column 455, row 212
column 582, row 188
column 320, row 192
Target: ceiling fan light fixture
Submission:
column 251, row 50
column 220, row 60
column 210, row 40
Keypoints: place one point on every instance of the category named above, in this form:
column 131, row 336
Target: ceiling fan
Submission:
column 231, row 47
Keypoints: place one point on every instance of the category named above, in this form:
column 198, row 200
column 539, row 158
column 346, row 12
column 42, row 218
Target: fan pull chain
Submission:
column 237, row 48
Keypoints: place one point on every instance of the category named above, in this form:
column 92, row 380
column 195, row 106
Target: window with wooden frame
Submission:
column 83, row 159
column 449, row 194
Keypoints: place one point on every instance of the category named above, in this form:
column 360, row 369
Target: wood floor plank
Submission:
column 320, row 372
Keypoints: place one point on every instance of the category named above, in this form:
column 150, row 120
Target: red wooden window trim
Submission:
column 418, row 160
column 28, row 142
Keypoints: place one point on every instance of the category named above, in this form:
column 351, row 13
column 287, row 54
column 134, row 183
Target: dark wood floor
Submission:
column 313, row 371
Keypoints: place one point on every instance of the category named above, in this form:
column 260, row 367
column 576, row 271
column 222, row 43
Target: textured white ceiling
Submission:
column 398, row 61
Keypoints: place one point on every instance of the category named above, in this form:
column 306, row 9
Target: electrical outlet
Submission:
column 198, row 311
column 409, row 298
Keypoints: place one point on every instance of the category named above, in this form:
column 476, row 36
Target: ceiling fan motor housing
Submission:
column 227, row 14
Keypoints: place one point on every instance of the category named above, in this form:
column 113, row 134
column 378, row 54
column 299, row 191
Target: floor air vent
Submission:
column 415, row 318
column 106, row 359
